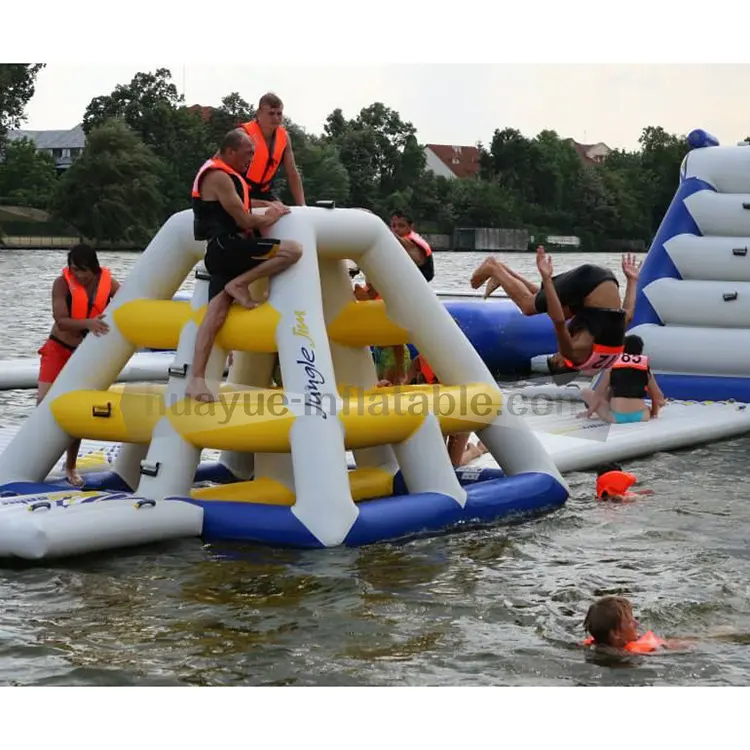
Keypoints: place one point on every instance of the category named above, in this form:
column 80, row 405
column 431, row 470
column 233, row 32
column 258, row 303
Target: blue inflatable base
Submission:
column 491, row 497
column 704, row 388
column 511, row 499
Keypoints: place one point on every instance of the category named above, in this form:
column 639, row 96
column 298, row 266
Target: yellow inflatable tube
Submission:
column 157, row 324
column 259, row 421
column 365, row 484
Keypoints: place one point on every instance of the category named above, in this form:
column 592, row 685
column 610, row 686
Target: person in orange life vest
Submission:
column 418, row 248
column 610, row 623
column 613, row 484
column 461, row 452
column 273, row 148
column 79, row 297
column 588, row 297
column 619, row 395
column 236, row 252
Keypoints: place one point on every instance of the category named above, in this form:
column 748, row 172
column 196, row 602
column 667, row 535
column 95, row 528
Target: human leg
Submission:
column 498, row 275
column 216, row 314
column 281, row 255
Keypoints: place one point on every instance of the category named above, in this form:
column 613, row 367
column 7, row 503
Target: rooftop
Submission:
column 49, row 139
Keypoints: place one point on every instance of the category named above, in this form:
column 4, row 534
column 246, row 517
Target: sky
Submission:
column 453, row 103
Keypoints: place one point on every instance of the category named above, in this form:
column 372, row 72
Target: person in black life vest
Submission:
column 236, row 254
column 619, row 395
column 418, row 248
column 273, row 149
column 79, row 297
column 583, row 303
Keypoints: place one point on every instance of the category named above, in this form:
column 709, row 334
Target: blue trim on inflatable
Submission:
column 409, row 515
column 658, row 264
column 704, row 388
column 699, row 138
column 13, row 489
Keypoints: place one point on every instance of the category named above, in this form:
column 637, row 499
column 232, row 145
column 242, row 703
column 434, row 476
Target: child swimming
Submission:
column 613, row 484
column 610, row 623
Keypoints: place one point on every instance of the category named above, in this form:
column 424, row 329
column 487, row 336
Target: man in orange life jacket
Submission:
column 236, row 254
column 79, row 297
column 273, row 148
column 418, row 248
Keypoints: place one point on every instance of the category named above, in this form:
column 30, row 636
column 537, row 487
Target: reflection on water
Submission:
column 497, row 606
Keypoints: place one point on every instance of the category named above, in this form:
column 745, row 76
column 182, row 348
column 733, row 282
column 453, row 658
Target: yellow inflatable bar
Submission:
column 365, row 484
column 157, row 324
column 259, row 420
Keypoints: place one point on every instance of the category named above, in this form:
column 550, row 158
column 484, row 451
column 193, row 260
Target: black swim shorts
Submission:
column 575, row 285
column 230, row 256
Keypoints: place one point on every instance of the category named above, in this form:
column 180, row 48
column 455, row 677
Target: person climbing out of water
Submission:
column 611, row 624
column 588, row 297
column 236, row 252
column 273, row 149
column 613, row 484
column 402, row 226
column 80, row 296
column 619, row 396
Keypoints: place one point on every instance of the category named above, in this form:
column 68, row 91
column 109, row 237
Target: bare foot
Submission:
column 199, row 391
column 482, row 273
column 241, row 295
column 74, row 477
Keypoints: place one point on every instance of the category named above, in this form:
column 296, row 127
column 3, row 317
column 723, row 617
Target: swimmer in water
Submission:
column 610, row 624
column 613, row 484
column 584, row 305
column 619, row 395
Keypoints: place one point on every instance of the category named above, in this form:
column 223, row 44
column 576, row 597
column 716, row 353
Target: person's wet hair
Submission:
column 606, row 616
column 606, row 468
column 402, row 215
column 633, row 344
column 83, row 257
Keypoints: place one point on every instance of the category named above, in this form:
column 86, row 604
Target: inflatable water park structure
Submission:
column 329, row 459
column 289, row 445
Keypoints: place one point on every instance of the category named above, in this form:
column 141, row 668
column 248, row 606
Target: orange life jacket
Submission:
column 420, row 242
column 614, row 483
column 426, row 370
column 81, row 307
column 647, row 643
column 265, row 163
column 216, row 163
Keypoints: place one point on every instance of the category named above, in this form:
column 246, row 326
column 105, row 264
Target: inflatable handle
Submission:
column 101, row 411
column 740, row 252
column 143, row 503
column 40, row 504
column 730, row 296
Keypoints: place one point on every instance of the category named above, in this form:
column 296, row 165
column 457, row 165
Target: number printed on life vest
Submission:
column 631, row 359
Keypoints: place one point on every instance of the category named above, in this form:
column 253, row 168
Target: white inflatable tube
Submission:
column 710, row 258
column 726, row 168
column 91, row 527
column 171, row 461
column 24, row 372
column 699, row 351
column 718, row 214
column 707, row 304
column 157, row 274
column 317, row 435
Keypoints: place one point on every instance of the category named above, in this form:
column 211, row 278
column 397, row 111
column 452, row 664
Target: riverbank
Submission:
column 59, row 243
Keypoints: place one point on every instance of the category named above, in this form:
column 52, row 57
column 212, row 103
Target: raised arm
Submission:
column 554, row 306
column 631, row 267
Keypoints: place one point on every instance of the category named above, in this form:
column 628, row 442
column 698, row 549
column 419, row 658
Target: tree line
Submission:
column 144, row 147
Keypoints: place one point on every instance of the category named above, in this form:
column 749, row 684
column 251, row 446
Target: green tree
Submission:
column 113, row 190
column 151, row 106
column 481, row 203
column 661, row 156
column 17, row 83
column 234, row 111
column 27, row 176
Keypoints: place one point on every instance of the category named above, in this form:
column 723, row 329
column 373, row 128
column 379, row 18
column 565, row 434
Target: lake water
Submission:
column 499, row 606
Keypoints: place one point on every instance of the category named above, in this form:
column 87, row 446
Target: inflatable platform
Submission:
column 283, row 451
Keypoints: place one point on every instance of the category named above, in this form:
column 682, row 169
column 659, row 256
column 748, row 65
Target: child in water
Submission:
column 613, row 484
column 610, row 623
